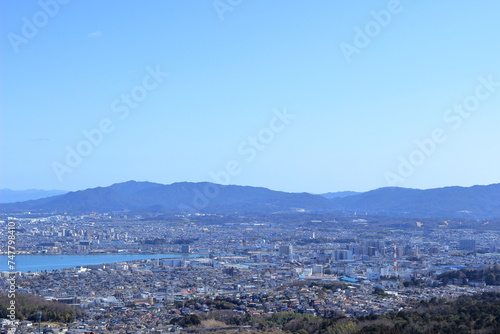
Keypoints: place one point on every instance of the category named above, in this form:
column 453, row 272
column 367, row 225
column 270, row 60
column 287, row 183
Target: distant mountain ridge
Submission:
column 340, row 194
column 477, row 202
column 177, row 197
column 12, row 196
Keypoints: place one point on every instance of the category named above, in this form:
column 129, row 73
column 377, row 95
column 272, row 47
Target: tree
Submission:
column 379, row 291
column 490, row 279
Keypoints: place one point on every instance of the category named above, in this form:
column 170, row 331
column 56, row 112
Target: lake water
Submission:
column 25, row 263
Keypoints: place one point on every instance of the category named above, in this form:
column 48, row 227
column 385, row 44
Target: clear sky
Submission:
column 312, row 96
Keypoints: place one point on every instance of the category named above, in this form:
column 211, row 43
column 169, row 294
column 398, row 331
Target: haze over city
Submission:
column 326, row 97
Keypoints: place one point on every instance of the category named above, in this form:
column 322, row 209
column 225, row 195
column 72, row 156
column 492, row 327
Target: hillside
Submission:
column 477, row 202
column 178, row 197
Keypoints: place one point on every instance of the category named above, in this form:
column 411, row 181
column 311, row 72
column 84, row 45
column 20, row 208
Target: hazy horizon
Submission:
column 241, row 185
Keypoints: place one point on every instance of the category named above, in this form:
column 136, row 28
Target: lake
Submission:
column 25, row 263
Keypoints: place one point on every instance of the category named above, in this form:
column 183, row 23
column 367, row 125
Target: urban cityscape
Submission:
column 232, row 166
column 223, row 268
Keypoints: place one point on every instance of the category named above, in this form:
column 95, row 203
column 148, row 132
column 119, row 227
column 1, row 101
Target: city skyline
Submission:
column 323, row 98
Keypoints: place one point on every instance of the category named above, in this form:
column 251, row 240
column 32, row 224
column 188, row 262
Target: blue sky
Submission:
column 290, row 95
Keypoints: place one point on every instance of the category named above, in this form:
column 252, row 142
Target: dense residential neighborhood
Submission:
column 211, row 265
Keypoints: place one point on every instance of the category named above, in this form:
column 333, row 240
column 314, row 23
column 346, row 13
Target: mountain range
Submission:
column 12, row 196
column 340, row 194
column 476, row 202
